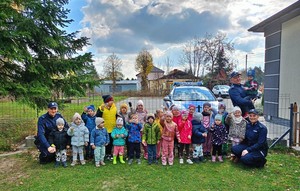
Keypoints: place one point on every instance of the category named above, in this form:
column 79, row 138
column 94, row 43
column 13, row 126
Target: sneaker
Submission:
column 97, row 164
column 138, row 161
column 164, row 164
column 73, row 163
column 170, row 164
column 130, row 161
column 82, row 162
column 180, row 161
column 102, row 163
column 189, row 161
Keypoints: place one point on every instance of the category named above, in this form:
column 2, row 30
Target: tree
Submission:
column 144, row 65
column 112, row 70
column 37, row 57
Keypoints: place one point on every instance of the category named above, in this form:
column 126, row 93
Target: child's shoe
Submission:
column 189, row 161
column 121, row 160
column 102, row 163
column 97, row 164
column 130, row 161
column 180, row 161
column 170, row 163
column 73, row 163
column 64, row 164
column 138, row 161
column 196, row 160
column 202, row 159
column 57, row 163
column 115, row 160
column 220, row 158
column 82, row 162
column 213, row 158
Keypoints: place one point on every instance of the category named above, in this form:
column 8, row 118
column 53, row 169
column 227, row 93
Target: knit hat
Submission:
column 198, row 116
column 191, row 105
column 99, row 120
column 251, row 73
column 91, row 107
column 218, row 117
column 174, row 107
column 140, row 102
column 169, row 113
column 221, row 105
column 107, row 98
column 60, row 121
column 184, row 113
column 236, row 108
column 75, row 116
column 206, row 104
column 119, row 121
column 150, row 115
column 124, row 105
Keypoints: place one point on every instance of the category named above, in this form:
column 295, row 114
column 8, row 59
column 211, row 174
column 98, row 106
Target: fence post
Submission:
column 295, row 110
column 291, row 124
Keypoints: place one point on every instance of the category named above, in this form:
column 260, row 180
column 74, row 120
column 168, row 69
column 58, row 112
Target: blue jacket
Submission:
column 120, row 141
column 79, row 134
column 256, row 138
column 46, row 124
column 197, row 131
column 89, row 121
column 237, row 95
column 99, row 137
column 134, row 132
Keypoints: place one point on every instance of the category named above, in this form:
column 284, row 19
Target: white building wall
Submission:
column 290, row 62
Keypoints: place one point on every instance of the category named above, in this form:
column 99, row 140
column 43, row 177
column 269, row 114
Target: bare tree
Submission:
column 144, row 65
column 112, row 70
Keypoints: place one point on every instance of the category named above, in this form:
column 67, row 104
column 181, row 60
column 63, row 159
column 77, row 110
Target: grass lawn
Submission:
column 22, row 172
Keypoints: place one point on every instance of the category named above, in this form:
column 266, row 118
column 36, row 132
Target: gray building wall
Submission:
column 122, row 86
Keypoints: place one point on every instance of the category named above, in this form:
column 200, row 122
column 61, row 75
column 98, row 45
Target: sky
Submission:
column 125, row 27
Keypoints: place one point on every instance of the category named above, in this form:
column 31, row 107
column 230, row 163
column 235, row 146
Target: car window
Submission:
column 192, row 94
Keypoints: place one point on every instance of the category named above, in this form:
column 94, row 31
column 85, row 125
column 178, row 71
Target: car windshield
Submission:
column 192, row 94
column 224, row 87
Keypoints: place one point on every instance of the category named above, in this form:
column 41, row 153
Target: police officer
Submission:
column 254, row 149
column 46, row 123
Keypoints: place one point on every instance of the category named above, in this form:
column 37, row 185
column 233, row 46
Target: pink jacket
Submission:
column 170, row 130
column 185, row 130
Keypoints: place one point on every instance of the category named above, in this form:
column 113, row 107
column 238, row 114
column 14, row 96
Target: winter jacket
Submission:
column 256, row 138
column 236, row 130
column 142, row 116
column 170, row 130
column 109, row 116
column 119, row 141
column 197, row 131
column 218, row 134
column 237, row 95
column 79, row 134
column 60, row 139
column 176, row 119
column 89, row 121
column 185, row 130
column 134, row 132
column 99, row 137
column 151, row 133
column 46, row 124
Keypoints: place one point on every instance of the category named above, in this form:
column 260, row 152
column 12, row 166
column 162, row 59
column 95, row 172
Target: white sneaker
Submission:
column 180, row 161
column 189, row 161
column 73, row 163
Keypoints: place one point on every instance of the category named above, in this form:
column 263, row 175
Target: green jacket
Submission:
column 151, row 133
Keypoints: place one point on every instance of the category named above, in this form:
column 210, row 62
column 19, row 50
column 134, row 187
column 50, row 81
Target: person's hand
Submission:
column 72, row 129
column 213, row 126
column 204, row 134
column 253, row 101
column 244, row 152
column 106, row 144
column 85, row 109
column 93, row 147
column 102, row 107
column 122, row 135
column 130, row 104
column 189, row 137
column 158, row 142
column 51, row 149
column 68, row 146
column 179, row 140
column 144, row 143
column 86, row 144
column 117, row 136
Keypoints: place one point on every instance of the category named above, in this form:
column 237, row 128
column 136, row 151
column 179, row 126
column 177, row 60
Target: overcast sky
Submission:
column 164, row 26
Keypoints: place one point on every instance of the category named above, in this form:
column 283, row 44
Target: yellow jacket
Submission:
column 109, row 116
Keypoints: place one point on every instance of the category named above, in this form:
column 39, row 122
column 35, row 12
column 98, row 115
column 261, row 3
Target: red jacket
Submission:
column 185, row 130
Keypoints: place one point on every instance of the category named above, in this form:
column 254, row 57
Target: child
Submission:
column 134, row 138
column 207, row 122
column 99, row 140
column 158, row 116
column 251, row 86
column 142, row 114
column 151, row 137
column 218, row 138
column 237, row 127
column 119, row 135
column 192, row 109
column 185, row 132
column 170, row 129
column 222, row 111
column 176, row 118
column 198, row 137
column 80, row 138
column 59, row 139
column 88, row 116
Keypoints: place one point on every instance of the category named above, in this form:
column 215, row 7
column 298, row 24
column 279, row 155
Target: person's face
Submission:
column 160, row 113
column 119, row 126
column 77, row 121
column 176, row 112
column 135, row 119
column 237, row 114
column 221, row 109
column 206, row 109
column 168, row 119
column 191, row 110
column 140, row 107
column 250, row 78
column 60, row 127
column 150, row 120
column 52, row 111
column 184, row 117
column 218, row 122
column 91, row 112
column 236, row 79
column 253, row 117
column 123, row 110
column 109, row 104
column 101, row 125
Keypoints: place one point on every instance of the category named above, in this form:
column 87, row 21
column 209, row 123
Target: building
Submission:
column 121, row 86
column 282, row 48
column 153, row 75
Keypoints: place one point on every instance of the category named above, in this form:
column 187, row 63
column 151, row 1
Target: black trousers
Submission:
column 217, row 149
column 134, row 148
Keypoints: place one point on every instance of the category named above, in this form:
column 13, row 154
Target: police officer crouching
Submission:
column 254, row 149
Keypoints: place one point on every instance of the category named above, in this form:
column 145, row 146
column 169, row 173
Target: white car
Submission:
column 221, row 90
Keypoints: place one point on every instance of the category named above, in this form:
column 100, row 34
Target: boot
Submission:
column 115, row 160
column 121, row 160
column 220, row 158
column 213, row 158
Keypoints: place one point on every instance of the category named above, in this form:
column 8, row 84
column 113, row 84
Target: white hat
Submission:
column 99, row 120
column 75, row 116
column 119, row 121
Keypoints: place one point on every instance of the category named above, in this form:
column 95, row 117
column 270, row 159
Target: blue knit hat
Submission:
column 218, row 117
column 91, row 107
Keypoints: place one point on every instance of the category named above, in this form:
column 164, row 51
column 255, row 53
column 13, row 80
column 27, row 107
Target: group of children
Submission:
column 159, row 135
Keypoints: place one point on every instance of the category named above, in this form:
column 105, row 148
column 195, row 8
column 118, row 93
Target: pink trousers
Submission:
column 167, row 148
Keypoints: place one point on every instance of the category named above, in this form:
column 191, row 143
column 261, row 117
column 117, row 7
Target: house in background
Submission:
column 122, row 86
column 282, row 58
column 153, row 75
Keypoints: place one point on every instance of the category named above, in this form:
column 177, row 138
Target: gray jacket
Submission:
column 79, row 134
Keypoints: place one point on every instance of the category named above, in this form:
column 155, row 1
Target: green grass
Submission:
column 19, row 120
column 281, row 173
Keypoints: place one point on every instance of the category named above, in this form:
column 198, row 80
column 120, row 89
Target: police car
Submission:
column 184, row 94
